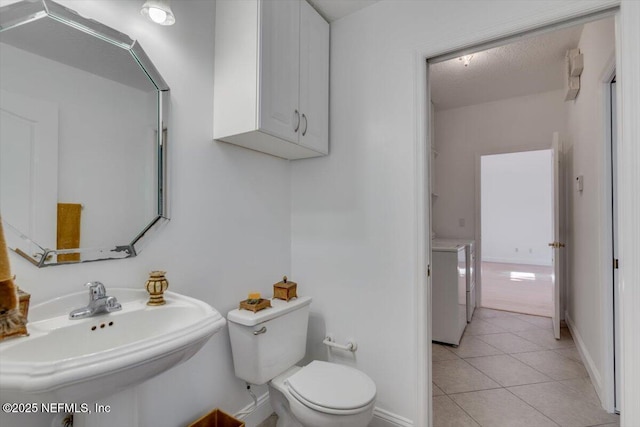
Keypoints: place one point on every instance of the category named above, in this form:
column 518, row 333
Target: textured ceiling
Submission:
column 336, row 9
column 531, row 65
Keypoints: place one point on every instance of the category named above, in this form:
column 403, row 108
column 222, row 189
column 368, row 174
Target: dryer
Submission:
column 470, row 255
column 449, row 292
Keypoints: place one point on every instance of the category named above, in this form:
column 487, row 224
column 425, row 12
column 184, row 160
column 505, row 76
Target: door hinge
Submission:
column 429, row 271
column 616, row 264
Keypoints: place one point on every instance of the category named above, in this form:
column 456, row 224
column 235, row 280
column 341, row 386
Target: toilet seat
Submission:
column 331, row 388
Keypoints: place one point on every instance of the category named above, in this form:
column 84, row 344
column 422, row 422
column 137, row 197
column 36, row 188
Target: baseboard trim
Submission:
column 381, row 417
column 594, row 374
column 384, row 418
column 261, row 413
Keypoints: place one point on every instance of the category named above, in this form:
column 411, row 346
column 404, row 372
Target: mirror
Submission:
column 83, row 129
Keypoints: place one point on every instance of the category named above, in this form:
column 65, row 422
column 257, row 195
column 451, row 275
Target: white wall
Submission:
column 354, row 213
column 516, row 211
column 523, row 123
column 230, row 226
column 584, row 154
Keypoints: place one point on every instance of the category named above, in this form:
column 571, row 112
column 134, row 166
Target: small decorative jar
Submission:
column 156, row 285
column 285, row 290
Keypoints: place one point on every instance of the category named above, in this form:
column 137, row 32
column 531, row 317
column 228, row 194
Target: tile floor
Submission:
column 269, row 422
column 510, row 371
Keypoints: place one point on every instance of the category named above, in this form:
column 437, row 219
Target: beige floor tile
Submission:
column 507, row 371
column 570, row 352
column 473, row 347
column 441, row 352
column 610, row 425
column 447, row 414
column 481, row 327
column 437, row 391
column 499, row 408
column 584, row 387
column 553, row 365
column 512, row 324
column 457, row 376
column 545, row 338
column 563, row 405
column 510, row 343
column 539, row 321
column 488, row 313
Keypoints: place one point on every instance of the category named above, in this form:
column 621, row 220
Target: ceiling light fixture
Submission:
column 158, row 11
column 466, row 59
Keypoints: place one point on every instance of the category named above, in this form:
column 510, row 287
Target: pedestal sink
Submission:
column 84, row 360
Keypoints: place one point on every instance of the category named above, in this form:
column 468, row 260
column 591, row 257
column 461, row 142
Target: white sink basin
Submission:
column 65, row 360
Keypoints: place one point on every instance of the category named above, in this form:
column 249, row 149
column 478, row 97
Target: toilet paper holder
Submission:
column 330, row 342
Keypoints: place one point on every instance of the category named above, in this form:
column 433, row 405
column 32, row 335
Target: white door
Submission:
column 314, row 80
column 557, row 246
column 29, row 170
column 279, row 113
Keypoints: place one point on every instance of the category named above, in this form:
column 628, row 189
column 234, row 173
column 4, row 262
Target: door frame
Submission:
column 607, row 301
column 627, row 64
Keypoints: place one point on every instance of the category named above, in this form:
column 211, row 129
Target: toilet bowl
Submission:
column 266, row 345
column 322, row 394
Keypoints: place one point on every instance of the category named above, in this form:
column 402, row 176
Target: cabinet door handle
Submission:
column 297, row 121
column 304, row 132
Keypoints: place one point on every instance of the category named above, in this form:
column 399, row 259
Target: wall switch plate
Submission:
column 461, row 222
column 580, row 183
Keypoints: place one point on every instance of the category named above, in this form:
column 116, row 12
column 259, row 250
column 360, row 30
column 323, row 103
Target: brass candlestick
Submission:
column 156, row 285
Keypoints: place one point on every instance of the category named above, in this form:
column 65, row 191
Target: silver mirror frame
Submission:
column 27, row 11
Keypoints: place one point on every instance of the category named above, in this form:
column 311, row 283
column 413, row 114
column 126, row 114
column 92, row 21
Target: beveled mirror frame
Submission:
column 27, row 11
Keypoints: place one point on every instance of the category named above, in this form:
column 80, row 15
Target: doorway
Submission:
column 516, row 227
column 492, row 342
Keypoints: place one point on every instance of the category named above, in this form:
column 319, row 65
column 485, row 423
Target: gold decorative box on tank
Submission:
column 285, row 290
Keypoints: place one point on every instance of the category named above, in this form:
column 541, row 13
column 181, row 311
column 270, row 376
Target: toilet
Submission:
column 266, row 347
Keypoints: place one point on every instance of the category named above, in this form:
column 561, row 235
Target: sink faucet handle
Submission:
column 96, row 290
column 112, row 304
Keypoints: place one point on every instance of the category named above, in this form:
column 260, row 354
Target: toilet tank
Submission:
column 267, row 343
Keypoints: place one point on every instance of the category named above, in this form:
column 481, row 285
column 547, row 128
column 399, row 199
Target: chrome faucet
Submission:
column 99, row 302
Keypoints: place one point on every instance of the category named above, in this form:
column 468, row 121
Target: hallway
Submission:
column 510, row 371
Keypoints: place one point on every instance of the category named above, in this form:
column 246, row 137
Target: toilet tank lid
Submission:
column 278, row 308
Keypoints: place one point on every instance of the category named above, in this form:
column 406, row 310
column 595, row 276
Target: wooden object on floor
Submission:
column 68, row 232
column 251, row 305
column 217, row 418
column 285, row 290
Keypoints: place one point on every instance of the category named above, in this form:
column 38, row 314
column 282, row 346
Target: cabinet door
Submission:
column 279, row 114
column 314, row 79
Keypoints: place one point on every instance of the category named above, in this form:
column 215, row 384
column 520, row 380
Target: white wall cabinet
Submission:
column 271, row 87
